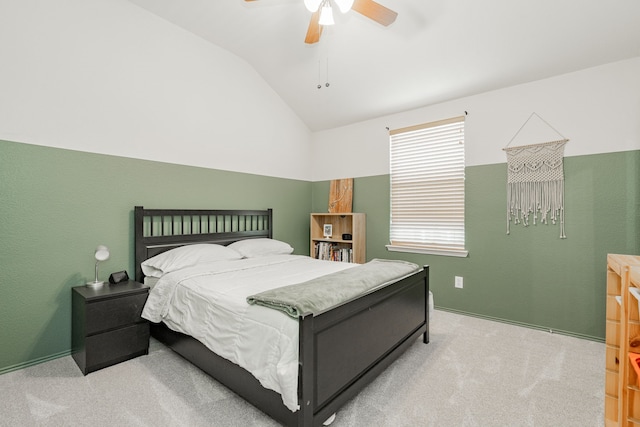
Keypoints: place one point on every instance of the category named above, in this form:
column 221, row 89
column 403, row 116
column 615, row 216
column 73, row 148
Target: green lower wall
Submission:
column 57, row 205
column 530, row 276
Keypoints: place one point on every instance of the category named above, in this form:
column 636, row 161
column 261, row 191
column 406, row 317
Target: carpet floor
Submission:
column 474, row 372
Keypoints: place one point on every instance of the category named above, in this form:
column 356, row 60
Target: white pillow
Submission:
column 251, row 248
column 185, row 256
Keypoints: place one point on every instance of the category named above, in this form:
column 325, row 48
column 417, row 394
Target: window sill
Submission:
column 416, row 250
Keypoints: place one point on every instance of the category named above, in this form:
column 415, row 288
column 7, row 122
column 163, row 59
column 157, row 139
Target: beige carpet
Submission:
column 474, row 372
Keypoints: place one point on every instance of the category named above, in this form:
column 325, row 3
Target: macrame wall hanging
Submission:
column 535, row 182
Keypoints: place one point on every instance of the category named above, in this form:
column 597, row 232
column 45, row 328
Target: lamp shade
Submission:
column 312, row 5
column 344, row 5
column 326, row 15
column 102, row 253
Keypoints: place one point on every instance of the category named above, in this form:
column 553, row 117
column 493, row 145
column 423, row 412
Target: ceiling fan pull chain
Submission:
column 320, row 73
column 327, row 83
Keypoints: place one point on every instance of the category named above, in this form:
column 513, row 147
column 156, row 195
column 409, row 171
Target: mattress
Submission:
column 150, row 281
column 208, row 302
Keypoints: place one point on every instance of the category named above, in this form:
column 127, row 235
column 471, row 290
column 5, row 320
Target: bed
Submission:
column 339, row 350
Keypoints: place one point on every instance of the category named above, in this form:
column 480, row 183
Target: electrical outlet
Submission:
column 458, row 282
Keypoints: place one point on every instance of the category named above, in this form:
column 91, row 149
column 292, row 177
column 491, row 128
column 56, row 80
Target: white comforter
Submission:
column 208, row 302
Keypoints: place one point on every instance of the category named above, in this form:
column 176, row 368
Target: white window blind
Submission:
column 427, row 188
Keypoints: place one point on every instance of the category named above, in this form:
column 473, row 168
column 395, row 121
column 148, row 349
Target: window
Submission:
column 427, row 188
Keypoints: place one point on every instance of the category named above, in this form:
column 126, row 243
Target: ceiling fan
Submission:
column 323, row 14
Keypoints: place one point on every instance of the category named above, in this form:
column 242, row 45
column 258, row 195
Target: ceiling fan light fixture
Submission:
column 344, row 5
column 312, row 5
column 326, row 14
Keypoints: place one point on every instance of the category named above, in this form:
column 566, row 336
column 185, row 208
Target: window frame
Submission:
column 441, row 139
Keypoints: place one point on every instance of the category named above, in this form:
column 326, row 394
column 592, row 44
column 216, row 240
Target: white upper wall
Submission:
column 109, row 77
column 597, row 109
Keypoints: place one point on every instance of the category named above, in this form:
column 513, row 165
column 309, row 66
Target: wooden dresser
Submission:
column 622, row 394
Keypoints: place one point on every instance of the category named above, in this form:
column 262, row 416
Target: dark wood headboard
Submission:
column 159, row 230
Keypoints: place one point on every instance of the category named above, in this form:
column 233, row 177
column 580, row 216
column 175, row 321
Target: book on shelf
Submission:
column 333, row 252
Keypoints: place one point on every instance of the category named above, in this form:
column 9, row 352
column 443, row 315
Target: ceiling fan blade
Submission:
column 375, row 11
column 315, row 29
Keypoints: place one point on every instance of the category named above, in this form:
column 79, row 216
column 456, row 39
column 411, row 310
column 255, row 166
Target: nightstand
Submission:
column 106, row 324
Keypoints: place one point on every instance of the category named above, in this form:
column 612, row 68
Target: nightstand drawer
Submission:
column 113, row 313
column 115, row 346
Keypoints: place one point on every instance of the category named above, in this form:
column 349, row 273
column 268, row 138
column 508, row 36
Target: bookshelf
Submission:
column 336, row 248
column 622, row 391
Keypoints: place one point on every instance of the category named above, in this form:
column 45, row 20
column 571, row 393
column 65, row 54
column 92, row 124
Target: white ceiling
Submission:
column 436, row 50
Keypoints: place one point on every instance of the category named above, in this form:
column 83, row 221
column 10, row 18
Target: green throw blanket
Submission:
column 318, row 294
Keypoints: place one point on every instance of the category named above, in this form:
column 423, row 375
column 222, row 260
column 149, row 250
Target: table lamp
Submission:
column 101, row 254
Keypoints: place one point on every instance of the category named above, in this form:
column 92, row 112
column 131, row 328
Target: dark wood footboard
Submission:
column 345, row 348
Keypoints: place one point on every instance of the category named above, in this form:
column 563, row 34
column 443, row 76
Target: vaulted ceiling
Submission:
column 436, row 50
